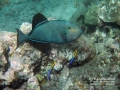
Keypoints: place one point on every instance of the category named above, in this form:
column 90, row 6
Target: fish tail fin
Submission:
column 21, row 37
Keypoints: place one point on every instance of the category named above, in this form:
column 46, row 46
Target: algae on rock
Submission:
column 91, row 16
column 107, row 11
column 81, row 10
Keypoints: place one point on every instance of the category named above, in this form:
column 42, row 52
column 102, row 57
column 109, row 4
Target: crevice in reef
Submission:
column 16, row 84
column 6, row 54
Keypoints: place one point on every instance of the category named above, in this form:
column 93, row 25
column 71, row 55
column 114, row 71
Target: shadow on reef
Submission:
column 44, row 47
column 76, row 64
column 6, row 54
column 14, row 85
column 105, row 26
column 37, row 65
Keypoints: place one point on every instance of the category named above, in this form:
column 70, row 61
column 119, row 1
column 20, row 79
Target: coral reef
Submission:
column 33, row 84
column 3, row 58
column 91, row 16
column 107, row 11
column 95, row 67
column 15, row 64
column 24, row 60
column 27, row 67
column 26, row 27
column 77, row 15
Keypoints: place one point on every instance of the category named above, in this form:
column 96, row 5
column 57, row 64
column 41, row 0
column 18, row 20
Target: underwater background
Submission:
column 15, row 12
column 91, row 62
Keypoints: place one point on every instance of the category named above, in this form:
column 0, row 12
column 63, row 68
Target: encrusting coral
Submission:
column 107, row 11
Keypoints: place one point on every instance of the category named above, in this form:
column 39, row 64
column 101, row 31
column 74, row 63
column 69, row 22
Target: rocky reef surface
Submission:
column 95, row 67
column 27, row 67
column 30, row 64
column 107, row 11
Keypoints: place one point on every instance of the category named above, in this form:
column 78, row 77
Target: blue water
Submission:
column 16, row 12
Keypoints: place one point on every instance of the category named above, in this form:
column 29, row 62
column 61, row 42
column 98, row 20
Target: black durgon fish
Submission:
column 54, row 31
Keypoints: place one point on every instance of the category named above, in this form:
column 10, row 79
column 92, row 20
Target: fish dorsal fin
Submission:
column 38, row 18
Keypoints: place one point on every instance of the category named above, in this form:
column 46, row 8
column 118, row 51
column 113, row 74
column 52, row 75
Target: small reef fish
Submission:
column 75, row 53
column 72, row 59
column 50, row 70
column 54, row 31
